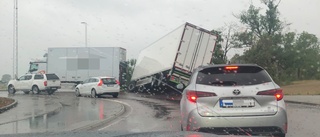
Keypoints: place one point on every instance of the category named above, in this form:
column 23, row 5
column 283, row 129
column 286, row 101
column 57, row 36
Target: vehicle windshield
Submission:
column 221, row 67
column 109, row 81
column 243, row 75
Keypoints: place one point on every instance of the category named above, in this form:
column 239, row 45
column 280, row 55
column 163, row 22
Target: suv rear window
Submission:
column 241, row 75
column 52, row 77
column 109, row 81
column 38, row 76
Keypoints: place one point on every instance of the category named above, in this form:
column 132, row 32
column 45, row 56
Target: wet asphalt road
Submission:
column 141, row 115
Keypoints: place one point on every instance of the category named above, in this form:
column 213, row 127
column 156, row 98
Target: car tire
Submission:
column 35, row 89
column 115, row 95
column 93, row 93
column 78, row 92
column 11, row 89
column 26, row 92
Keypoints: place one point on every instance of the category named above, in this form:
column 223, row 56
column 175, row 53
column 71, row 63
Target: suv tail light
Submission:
column 45, row 83
column 275, row 92
column 100, row 83
column 117, row 82
column 192, row 96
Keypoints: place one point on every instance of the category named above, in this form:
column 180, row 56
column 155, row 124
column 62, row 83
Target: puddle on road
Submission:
column 79, row 112
column 161, row 111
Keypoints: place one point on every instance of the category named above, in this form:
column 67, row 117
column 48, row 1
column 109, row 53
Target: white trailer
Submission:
column 75, row 64
column 171, row 59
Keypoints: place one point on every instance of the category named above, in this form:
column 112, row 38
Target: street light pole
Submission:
column 15, row 40
column 86, row 38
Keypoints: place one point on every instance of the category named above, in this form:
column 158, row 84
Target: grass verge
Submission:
column 305, row 87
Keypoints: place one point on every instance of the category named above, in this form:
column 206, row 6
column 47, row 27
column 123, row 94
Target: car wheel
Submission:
column 26, row 92
column 115, row 95
column 77, row 93
column 35, row 89
column 93, row 93
column 11, row 89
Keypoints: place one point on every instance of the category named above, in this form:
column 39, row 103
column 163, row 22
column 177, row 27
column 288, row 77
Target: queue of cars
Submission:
column 50, row 83
column 221, row 99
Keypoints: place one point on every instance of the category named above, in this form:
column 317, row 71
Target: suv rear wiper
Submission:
column 225, row 83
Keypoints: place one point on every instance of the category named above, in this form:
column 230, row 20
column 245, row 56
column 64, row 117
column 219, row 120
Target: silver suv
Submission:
column 233, row 99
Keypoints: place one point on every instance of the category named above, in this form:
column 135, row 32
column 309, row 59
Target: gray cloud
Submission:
column 132, row 24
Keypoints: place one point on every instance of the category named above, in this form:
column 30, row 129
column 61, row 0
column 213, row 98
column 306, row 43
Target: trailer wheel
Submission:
column 132, row 86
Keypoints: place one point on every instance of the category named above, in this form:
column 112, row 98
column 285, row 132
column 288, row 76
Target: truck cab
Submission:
column 37, row 67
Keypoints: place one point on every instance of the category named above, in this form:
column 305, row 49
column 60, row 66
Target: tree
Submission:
column 236, row 59
column 228, row 35
column 288, row 56
column 6, row 78
column 217, row 57
column 130, row 67
column 263, row 35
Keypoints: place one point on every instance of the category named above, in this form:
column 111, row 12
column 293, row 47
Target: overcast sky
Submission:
column 131, row 24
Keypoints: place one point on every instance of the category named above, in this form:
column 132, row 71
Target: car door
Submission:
column 24, row 82
column 18, row 85
column 91, row 84
column 83, row 87
column 27, row 84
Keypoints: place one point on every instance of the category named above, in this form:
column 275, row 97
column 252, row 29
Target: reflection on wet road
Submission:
column 146, row 115
column 303, row 120
column 67, row 112
column 141, row 115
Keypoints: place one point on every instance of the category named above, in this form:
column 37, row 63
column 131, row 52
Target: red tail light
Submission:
column 45, row 83
column 100, row 83
column 276, row 92
column 231, row 67
column 194, row 95
column 117, row 82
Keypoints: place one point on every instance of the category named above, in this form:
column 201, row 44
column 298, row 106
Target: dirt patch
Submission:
column 5, row 101
column 306, row 87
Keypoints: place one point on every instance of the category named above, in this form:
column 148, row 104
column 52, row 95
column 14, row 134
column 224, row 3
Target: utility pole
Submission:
column 85, row 27
column 15, row 41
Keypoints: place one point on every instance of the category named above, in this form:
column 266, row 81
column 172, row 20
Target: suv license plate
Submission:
column 236, row 103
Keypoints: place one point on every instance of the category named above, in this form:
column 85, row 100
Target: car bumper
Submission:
column 52, row 88
column 254, row 125
column 107, row 91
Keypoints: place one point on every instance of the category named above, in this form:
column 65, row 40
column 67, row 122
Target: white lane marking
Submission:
column 131, row 109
